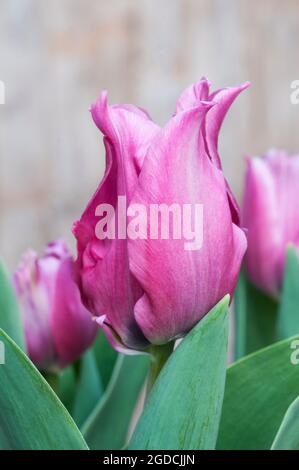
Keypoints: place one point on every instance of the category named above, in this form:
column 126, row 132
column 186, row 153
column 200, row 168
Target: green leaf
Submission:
column 89, row 388
column 31, row 415
column 66, row 387
column 287, row 437
column 288, row 318
column 107, row 427
column 10, row 320
column 255, row 315
column 259, row 389
column 183, row 409
column 105, row 357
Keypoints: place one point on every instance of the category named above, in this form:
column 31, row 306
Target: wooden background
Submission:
column 56, row 56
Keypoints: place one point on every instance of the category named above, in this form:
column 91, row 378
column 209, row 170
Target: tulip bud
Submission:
column 58, row 328
column 271, row 215
column 147, row 288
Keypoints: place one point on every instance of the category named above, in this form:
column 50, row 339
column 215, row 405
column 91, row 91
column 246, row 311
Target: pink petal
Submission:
column 271, row 214
column 223, row 98
column 181, row 286
column 107, row 285
column 71, row 323
column 35, row 286
column 192, row 95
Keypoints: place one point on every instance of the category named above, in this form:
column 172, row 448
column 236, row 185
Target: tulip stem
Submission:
column 159, row 356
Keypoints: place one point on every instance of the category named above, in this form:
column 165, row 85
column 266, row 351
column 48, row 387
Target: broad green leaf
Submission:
column 105, row 357
column 255, row 316
column 259, row 389
column 288, row 319
column 287, row 437
column 89, row 388
column 10, row 320
column 183, row 409
column 31, row 415
column 107, row 427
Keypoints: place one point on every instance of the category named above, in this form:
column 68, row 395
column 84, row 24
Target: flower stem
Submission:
column 159, row 355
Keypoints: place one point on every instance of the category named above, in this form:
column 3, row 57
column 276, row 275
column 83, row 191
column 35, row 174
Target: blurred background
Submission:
column 56, row 56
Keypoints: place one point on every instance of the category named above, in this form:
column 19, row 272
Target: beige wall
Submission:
column 56, row 56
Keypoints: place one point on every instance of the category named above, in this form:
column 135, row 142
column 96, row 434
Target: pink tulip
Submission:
column 154, row 290
column 58, row 328
column 271, row 215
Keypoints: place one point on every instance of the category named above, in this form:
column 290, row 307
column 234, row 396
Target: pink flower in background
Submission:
column 271, row 215
column 152, row 291
column 58, row 328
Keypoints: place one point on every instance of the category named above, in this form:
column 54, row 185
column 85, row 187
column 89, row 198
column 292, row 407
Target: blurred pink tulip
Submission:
column 150, row 291
column 58, row 328
column 271, row 215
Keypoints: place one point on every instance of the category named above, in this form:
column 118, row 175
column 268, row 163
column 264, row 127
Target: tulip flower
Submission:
column 57, row 326
column 271, row 215
column 149, row 290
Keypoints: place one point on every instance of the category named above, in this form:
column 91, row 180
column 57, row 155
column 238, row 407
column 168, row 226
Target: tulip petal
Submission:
column 192, row 95
column 261, row 219
column 271, row 214
column 285, row 171
column 223, row 98
column 129, row 130
column 107, row 285
column 113, row 337
column 181, row 286
column 72, row 332
column 34, row 287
